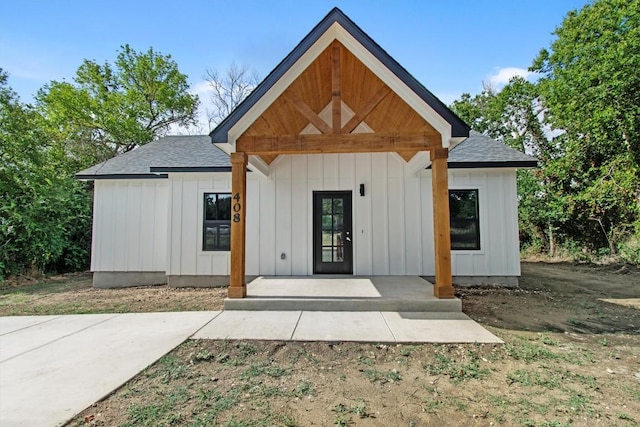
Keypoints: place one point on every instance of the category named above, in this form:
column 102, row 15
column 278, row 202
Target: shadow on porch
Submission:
column 343, row 293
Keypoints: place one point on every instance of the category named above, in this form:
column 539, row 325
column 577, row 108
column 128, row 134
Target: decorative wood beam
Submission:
column 268, row 158
column 443, row 287
column 366, row 109
column 237, row 284
column 407, row 155
column 309, row 114
column 336, row 96
column 344, row 143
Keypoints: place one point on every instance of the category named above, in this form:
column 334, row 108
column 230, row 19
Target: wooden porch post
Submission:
column 237, row 285
column 443, row 287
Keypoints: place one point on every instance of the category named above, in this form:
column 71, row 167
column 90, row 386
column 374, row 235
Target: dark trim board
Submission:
column 124, row 176
column 190, row 169
column 481, row 165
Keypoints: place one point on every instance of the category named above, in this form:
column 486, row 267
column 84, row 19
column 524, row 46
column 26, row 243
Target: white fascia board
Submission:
column 259, row 166
column 227, row 148
column 419, row 162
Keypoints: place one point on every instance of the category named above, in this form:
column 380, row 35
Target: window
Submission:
column 217, row 222
column 465, row 225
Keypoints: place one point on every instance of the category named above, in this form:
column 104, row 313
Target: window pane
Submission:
column 337, row 206
column 217, row 222
column 224, row 207
column 326, row 222
column 326, row 254
column 216, row 236
column 326, row 206
column 210, row 206
column 217, row 206
column 327, row 238
column 465, row 227
column 337, row 222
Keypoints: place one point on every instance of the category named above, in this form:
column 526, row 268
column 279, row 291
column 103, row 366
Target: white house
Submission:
column 340, row 145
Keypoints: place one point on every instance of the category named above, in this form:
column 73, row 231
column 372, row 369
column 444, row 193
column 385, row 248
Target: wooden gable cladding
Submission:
column 336, row 78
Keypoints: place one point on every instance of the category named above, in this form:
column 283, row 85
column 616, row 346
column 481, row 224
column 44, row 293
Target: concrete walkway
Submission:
column 53, row 367
column 367, row 326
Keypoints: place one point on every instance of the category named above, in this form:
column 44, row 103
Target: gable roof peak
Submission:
column 335, row 15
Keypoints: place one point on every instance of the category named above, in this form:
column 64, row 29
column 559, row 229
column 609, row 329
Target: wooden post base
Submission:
column 237, row 291
column 444, row 291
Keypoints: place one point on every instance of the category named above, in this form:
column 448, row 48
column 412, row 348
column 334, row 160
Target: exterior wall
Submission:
column 156, row 225
column 130, row 226
column 499, row 253
column 185, row 256
column 392, row 223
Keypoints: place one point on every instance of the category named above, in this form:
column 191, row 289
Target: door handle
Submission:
column 348, row 239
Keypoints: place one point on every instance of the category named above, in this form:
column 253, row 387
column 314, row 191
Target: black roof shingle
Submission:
column 191, row 153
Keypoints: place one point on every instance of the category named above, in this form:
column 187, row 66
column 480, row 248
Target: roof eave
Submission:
column 515, row 164
column 93, row 177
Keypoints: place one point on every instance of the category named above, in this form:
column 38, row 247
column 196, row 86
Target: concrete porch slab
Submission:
column 342, row 293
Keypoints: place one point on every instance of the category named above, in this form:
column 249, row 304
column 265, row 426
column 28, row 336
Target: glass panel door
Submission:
column 332, row 248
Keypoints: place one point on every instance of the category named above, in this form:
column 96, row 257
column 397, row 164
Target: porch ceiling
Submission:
column 338, row 79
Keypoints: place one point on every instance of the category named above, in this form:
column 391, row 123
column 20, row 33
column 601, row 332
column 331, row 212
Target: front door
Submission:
column 332, row 237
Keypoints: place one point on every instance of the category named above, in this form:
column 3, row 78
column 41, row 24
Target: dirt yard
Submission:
column 74, row 294
column 570, row 359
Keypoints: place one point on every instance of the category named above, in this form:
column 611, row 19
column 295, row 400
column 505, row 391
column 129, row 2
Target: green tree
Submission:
column 582, row 120
column 514, row 117
column 590, row 87
column 45, row 215
column 112, row 109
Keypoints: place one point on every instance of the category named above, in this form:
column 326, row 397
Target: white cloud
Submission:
column 501, row 76
column 203, row 90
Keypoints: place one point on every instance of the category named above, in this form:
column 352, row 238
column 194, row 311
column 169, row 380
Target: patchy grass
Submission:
column 532, row 380
column 570, row 359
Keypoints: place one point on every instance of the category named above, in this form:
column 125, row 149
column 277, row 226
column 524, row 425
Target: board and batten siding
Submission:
column 186, row 215
column 129, row 225
column 392, row 223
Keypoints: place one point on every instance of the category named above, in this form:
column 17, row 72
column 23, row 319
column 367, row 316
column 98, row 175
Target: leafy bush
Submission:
column 45, row 214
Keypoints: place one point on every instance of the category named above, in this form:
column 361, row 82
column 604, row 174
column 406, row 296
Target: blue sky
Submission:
column 450, row 46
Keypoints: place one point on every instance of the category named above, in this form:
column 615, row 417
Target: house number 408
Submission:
column 236, row 207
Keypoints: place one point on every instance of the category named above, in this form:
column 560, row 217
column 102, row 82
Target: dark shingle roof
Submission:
column 168, row 154
column 482, row 151
column 458, row 127
column 197, row 154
